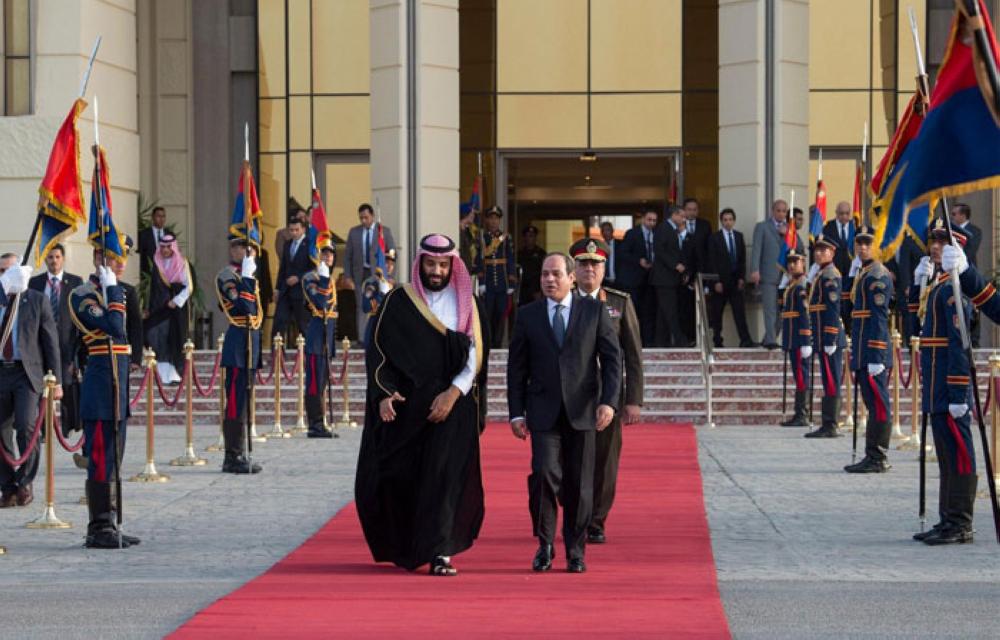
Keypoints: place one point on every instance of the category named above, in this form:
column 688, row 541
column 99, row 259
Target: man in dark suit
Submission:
column 634, row 264
column 669, row 275
column 295, row 263
column 841, row 231
column 726, row 257
column 359, row 258
column 149, row 239
column 563, row 384
column 960, row 216
column 30, row 350
column 56, row 286
column 614, row 247
column 696, row 236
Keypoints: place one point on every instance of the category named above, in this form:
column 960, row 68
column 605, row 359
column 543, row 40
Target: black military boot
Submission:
column 944, row 496
column 101, row 530
column 874, row 460
column 828, row 429
column 800, row 418
column 235, row 460
column 958, row 527
column 314, row 411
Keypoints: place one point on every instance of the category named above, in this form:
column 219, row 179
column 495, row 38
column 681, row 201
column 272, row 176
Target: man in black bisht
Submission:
column 419, row 488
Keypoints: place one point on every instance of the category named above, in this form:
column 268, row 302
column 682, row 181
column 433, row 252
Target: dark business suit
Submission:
column 291, row 302
column 133, row 322
column 634, row 280
column 667, row 281
column 147, row 249
column 557, row 390
column 69, row 348
column 842, row 258
column 21, row 380
column 730, row 266
column 694, row 247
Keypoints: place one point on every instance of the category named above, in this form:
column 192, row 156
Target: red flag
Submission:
column 246, row 210
column 60, row 201
column 791, row 238
column 320, row 229
column 821, row 199
column 856, row 210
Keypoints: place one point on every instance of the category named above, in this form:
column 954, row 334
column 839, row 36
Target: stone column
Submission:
column 423, row 91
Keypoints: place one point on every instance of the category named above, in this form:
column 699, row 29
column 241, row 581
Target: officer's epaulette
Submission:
column 85, row 289
column 616, row 292
column 878, row 270
column 228, row 272
column 831, row 271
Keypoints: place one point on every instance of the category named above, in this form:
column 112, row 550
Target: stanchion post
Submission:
column 912, row 443
column 897, row 357
column 995, row 408
column 279, row 372
column 149, row 473
column 220, row 444
column 190, row 458
column 48, row 520
column 345, row 418
column 848, row 422
column 300, row 423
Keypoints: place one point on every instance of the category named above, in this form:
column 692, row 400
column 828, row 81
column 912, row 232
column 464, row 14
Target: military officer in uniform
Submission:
column 828, row 339
column 238, row 296
column 591, row 256
column 496, row 271
column 98, row 309
column 871, row 295
column 796, row 335
column 945, row 377
column 321, row 299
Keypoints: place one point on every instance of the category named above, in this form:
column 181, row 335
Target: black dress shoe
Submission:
column 442, row 567
column 823, row 432
column 239, row 464
column 747, row 344
column 795, row 421
column 543, row 558
column 771, row 346
column 868, row 465
column 949, row 534
column 319, row 433
column 576, row 565
column 923, row 535
column 596, row 536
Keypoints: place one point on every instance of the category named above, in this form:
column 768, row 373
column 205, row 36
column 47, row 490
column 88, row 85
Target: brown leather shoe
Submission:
column 8, row 499
column 24, row 496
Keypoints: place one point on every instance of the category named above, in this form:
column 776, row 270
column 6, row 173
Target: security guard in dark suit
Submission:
column 238, row 296
column 98, row 319
column 321, row 300
column 591, row 256
column 945, row 378
column 496, row 271
column 796, row 335
column 828, row 339
column 871, row 295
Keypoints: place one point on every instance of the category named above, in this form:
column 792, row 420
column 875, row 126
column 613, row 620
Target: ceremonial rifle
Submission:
column 251, row 382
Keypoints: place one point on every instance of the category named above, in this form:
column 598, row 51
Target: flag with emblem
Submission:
column 247, row 215
column 60, row 203
column 319, row 230
column 101, row 232
column 791, row 241
column 474, row 205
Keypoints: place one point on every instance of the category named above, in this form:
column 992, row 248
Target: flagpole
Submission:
column 974, row 20
column 864, row 172
column 819, row 169
column 90, row 67
column 247, row 214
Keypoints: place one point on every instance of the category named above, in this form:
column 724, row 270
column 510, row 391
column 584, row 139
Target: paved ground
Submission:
column 204, row 533
column 805, row 550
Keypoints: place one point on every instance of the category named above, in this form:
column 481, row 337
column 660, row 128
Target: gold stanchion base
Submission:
column 3, row 551
column 300, row 426
column 214, row 448
column 189, row 459
column 345, row 424
column 909, row 444
column 150, row 474
column 277, row 434
column 897, row 433
column 49, row 521
column 255, row 436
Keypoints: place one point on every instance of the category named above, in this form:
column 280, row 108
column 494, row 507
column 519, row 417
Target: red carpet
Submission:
column 655, row 578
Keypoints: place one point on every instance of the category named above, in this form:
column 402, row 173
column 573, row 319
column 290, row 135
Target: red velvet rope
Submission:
column 290, row 377
column 261, row 379
column 343, row 370
column 914, row 361
column 57, row 429
column 159, row 385
column 31, row 444
column 204, row 393
column 142, row 387
column 989, row 398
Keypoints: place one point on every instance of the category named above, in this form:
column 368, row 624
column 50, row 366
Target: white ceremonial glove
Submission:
column 249, row 267
column 875, row 369
column 813, row 270
column 924, row 269
column 384, row 287
column 322, row 270
column 805, row 351
column 953, row 258
column 958, row 410
column 830, row 350
column 107, row 277
column 510, row 291
column 784, row 281
column 855, row 267
column 482, row 290
column 15, row 280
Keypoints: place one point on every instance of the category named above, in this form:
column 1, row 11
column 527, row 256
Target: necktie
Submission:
column 843, row 234
column 367, row 247
column 559, row 325
column 295, row 247
column 54, row 291
column 8, row 347
column 729, row 245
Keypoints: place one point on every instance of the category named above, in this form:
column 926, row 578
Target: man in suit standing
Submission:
column 359, row 257
column 56, row 286
column 669, row 275
column 30, row 350
column 960, row 215
column 726, row 257
column 563, row 384
column 695, row 243
column 768, row 238
column 841, row 231
column 635, row 256
column 614, row 246
column 149, row 239
column 591, row 256
column 295, row 263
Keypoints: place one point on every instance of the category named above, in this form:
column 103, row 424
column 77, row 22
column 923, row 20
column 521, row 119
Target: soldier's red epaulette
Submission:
column 877, row 344
column 980, row 298
column 958, row 380
column 833, row 330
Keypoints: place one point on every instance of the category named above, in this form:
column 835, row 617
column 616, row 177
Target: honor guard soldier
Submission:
column 97, row 308
column 591, row 255
column 496, row 271
column 321, row 299
column 238, row 296
column 945, row 378
column 828, row 339
column 871, row 294
column 796, row 336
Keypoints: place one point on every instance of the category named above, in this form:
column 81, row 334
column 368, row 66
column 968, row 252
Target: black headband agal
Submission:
column 427, row 244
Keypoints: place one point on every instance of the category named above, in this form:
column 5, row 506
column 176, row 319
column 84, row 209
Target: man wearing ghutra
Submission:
column 166, row 316
column 419, row 487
